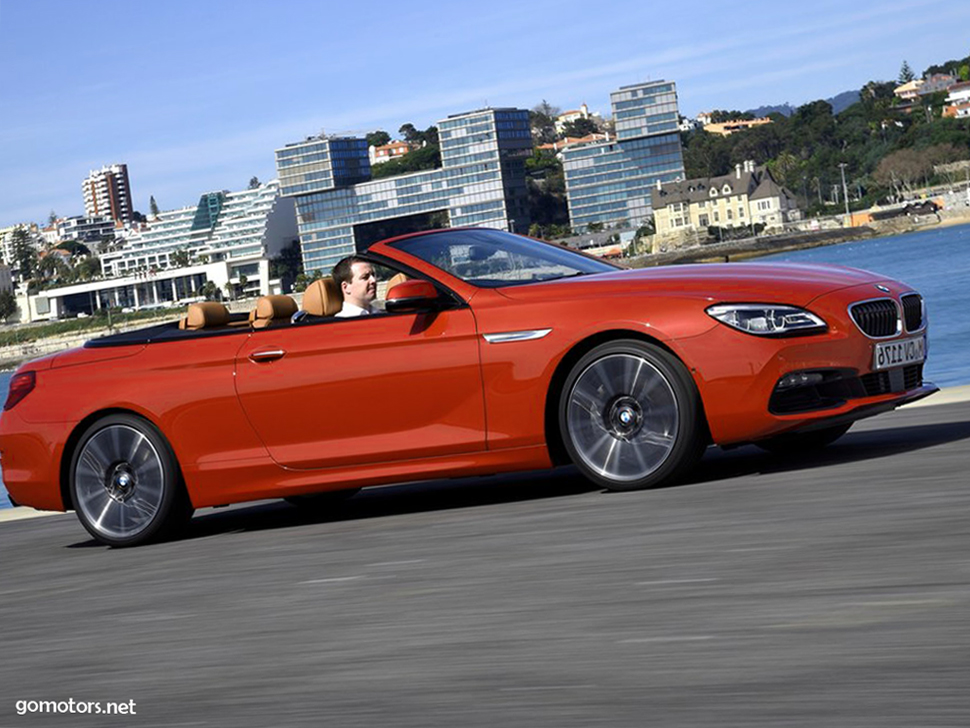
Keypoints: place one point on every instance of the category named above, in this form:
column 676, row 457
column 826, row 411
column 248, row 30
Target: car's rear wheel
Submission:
column 799, row 442
column 125, row 482
column 630, row 416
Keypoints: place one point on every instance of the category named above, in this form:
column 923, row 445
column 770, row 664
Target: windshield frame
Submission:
column 422, row 246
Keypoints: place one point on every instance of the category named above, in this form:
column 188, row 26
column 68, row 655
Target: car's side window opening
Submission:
column 323, row 299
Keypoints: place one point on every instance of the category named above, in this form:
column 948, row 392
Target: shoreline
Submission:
column 726, row 252
column 748, row 248
column 949, row 395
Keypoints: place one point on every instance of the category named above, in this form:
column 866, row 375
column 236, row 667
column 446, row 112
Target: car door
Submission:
column 380, row 388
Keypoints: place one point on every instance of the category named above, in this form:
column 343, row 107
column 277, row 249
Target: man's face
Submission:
column 362, row 290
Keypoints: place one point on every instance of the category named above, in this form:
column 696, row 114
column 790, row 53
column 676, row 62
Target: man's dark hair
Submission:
column 342, row 272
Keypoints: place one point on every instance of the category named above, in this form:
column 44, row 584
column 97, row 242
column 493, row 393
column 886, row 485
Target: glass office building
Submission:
column 340, row 210
column 611, row 182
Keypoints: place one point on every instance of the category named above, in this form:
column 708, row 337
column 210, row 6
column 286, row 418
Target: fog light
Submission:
column 799, row 379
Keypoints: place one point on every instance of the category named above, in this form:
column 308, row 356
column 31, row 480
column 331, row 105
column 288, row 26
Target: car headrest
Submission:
column 323, row 297
column 205, row 315
column 271, row 308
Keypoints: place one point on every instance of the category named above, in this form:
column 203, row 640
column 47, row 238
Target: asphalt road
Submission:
column 824, row 591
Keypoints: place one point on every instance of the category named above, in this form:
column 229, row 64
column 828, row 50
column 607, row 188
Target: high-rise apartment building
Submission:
column 611, row 182
column 341, row 210
column 107, row 193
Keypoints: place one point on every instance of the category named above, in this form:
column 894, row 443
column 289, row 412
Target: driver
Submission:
column 358, row 284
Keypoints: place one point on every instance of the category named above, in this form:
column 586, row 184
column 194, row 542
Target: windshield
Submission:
column 492, row 258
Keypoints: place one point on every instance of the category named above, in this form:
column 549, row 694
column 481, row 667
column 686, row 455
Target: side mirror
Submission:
column 413, row 295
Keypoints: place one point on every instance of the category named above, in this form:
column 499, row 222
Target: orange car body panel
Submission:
column 356, row 402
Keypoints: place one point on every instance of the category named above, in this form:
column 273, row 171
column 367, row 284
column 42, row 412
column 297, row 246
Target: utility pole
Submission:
column 845, row 193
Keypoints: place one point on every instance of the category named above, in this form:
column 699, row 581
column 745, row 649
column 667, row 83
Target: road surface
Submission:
column 828, row 590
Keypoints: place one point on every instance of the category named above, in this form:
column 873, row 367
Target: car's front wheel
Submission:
column 630, row 416
column 125, row 482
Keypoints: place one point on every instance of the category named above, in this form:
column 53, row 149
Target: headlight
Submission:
column 765, row 319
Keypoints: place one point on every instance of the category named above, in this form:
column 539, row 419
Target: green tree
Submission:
column 412, row 135
column 254, row 183
column 8, row 305
column 409, row 133
column 427, row 157
column 87, row 268
column 24, row 253
column 906, row 73
column 52, row 218
column 180, row 258
column 378, row 138
column 579, row 127
column 153, row 207
column 542, row 121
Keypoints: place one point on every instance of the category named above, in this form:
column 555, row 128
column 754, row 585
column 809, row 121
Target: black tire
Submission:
column 802, row 442
column 630, row 416
column 321, row 501
column 125, row 482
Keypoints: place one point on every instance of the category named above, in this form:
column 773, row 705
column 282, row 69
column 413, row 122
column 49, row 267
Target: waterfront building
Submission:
column 107, row 192
column 340, row 210
column 749, row 196
column 241, row 228
column 226, row 238
column 610, row 183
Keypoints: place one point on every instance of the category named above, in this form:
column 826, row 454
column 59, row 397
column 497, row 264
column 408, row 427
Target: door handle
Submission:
column 266, row 355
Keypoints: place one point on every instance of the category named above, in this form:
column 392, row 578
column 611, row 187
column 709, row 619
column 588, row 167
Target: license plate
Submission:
column 889, row 354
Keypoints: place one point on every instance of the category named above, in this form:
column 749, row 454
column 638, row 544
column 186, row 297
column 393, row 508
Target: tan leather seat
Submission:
column 205, row 315
column 271, row 308
column 323, row 298
column 395, row 279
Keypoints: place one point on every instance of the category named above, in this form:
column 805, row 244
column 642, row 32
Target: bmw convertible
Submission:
column 491, row 353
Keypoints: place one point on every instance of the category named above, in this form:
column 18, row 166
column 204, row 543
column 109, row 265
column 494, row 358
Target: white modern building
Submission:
column 86, row 229
column 228, row 237
column 237, row 227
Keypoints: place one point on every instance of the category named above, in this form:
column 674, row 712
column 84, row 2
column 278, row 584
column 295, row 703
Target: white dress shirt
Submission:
column 350, row 310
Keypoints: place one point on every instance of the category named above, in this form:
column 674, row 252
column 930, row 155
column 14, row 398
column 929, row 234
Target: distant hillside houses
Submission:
column 910, row 92
column 729, row 127
column 387, row 152
column 749, row 196
column 958, row 101
column 572, row 115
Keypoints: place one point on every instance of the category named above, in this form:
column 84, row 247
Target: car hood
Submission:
column 793, row 283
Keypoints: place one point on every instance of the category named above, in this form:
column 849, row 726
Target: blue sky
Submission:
column 196, row 96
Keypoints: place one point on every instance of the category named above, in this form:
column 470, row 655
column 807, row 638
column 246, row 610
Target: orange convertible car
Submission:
column 493, row 353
